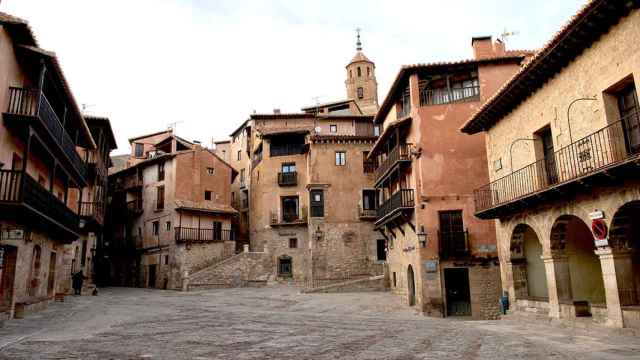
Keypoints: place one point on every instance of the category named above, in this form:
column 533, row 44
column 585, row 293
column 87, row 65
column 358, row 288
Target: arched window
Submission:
column 350, row 74
column 360, row 93
column 359, row 72
column 368, row 71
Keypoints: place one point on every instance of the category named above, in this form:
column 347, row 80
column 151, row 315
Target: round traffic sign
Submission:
column 599, row 228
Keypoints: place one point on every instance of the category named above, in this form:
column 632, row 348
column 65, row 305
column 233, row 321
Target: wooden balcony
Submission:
column 31, row 104
column 454, row 244
column 288, row 178
column 606, row 154
column 95, row 164
column 289, row 219
column 198, row 235
column 399, row 202
column 134, row 208
column 92, row 211
column 448, row 96
column 398, row 155
column 18, row 189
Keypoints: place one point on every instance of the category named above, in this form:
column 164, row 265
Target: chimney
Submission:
column 482, row 47
column 197, row 144
column 498, row 48
column 276, row 111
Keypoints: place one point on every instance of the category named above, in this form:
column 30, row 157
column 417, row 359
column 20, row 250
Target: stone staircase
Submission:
column 364, row 284
column 242, row 270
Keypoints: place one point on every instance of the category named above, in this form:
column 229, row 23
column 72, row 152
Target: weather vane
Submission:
column 358, row 43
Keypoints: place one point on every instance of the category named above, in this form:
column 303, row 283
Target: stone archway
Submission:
column 624, row 241
column 529, row 277
column 578, row 273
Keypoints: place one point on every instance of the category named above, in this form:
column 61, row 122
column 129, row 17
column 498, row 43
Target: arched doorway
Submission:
column 572, row 238
column 624, row 239
column 411, row 286
column 529, row 275
column 7, row 276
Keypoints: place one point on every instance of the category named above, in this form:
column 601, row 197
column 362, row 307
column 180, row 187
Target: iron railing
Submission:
column 398, row 153
column 18, row 187
column 454, row 244
column 190, row 234
column 92, row 209
column 369, row 166
column 288, row 178
column 401, row 199
column 33, row 103
column 447, row 96
column 597, row 151
column 366, row 213
column 286, row 149
column 289, row 217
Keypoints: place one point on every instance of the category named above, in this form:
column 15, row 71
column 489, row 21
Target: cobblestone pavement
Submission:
column 279, row 323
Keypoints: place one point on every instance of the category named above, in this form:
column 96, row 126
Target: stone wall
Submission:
column 244, row 269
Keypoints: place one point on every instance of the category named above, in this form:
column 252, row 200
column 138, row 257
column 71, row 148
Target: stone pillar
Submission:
column 558, row 281
column 619, row 288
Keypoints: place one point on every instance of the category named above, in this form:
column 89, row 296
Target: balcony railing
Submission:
column 447, row 96
column 398, row 153
column 134, row 207
column 189, row 234
column 401, row 199
column 94, row 160
column 288, row 178
column 601, row 150
column 17, row 187
column 453, row 244
column 369, row 166
column 92, row 209
column 286, row 149
column 289, row 218
column 33, row 103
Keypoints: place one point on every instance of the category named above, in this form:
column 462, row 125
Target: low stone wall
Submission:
column 373, row 283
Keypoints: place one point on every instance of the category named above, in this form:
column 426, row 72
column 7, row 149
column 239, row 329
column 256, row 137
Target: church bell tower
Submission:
column 361, row 81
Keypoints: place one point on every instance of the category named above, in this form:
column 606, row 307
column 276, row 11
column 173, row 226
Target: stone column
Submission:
column 619, row 288
column 558, row 281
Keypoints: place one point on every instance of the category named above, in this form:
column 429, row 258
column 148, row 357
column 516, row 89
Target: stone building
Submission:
column 169, row 213
column 307, row 197
column 45, row 172
column 562, row 151
column 440, row 256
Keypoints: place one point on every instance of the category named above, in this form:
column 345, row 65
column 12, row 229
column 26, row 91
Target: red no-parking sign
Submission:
column 600, row 232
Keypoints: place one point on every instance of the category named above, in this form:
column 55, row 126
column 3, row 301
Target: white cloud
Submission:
column 208, row 65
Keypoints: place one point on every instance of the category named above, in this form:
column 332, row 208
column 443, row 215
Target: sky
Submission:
column 207, row 65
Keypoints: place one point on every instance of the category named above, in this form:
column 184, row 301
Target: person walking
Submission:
column 77, row 280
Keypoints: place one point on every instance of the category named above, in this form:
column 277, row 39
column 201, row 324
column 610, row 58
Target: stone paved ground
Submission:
column 279, row 323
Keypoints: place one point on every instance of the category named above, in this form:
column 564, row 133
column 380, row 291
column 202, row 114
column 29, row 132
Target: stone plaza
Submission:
column 281, row 323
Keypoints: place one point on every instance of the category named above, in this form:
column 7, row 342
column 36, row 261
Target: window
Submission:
column 209, row 171
column 242, row 177
column 350, row 74
column 167, row 225
column 333, row 128
column 381, row 250
column 341, row 158
column 368, row 165
column 289, row 167
column 395, row 282
column 452, row 234
column 155, row 227
column 376, row 130
column 83, row 259
column 166, row 259
column 369, row 199
column 285, row 267
column 207, row 195
column 497, row 164
column 139, row 150
column 16, row 162
column 161, row 171
column 224, row 155
column 317, row 203
column 293, row 243
column 368, row 71
column 359, row 72
column 160, row 198
column 239, row 155
column 290, row 208
column 360, row 93
column 627, row 100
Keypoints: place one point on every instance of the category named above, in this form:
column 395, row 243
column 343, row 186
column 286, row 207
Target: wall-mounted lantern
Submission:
column 422, row 237
column 318, row 234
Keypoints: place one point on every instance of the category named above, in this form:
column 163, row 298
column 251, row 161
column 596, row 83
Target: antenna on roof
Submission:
column 505, row 34
column 84, row 106
column 358, row 43
column 172, row 126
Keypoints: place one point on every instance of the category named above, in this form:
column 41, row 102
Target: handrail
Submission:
column 287, row 178
column 601, row 149
column 191, row 234
column 31, row 102
column 398, row 153
column 441, row 96
column 403, row 198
